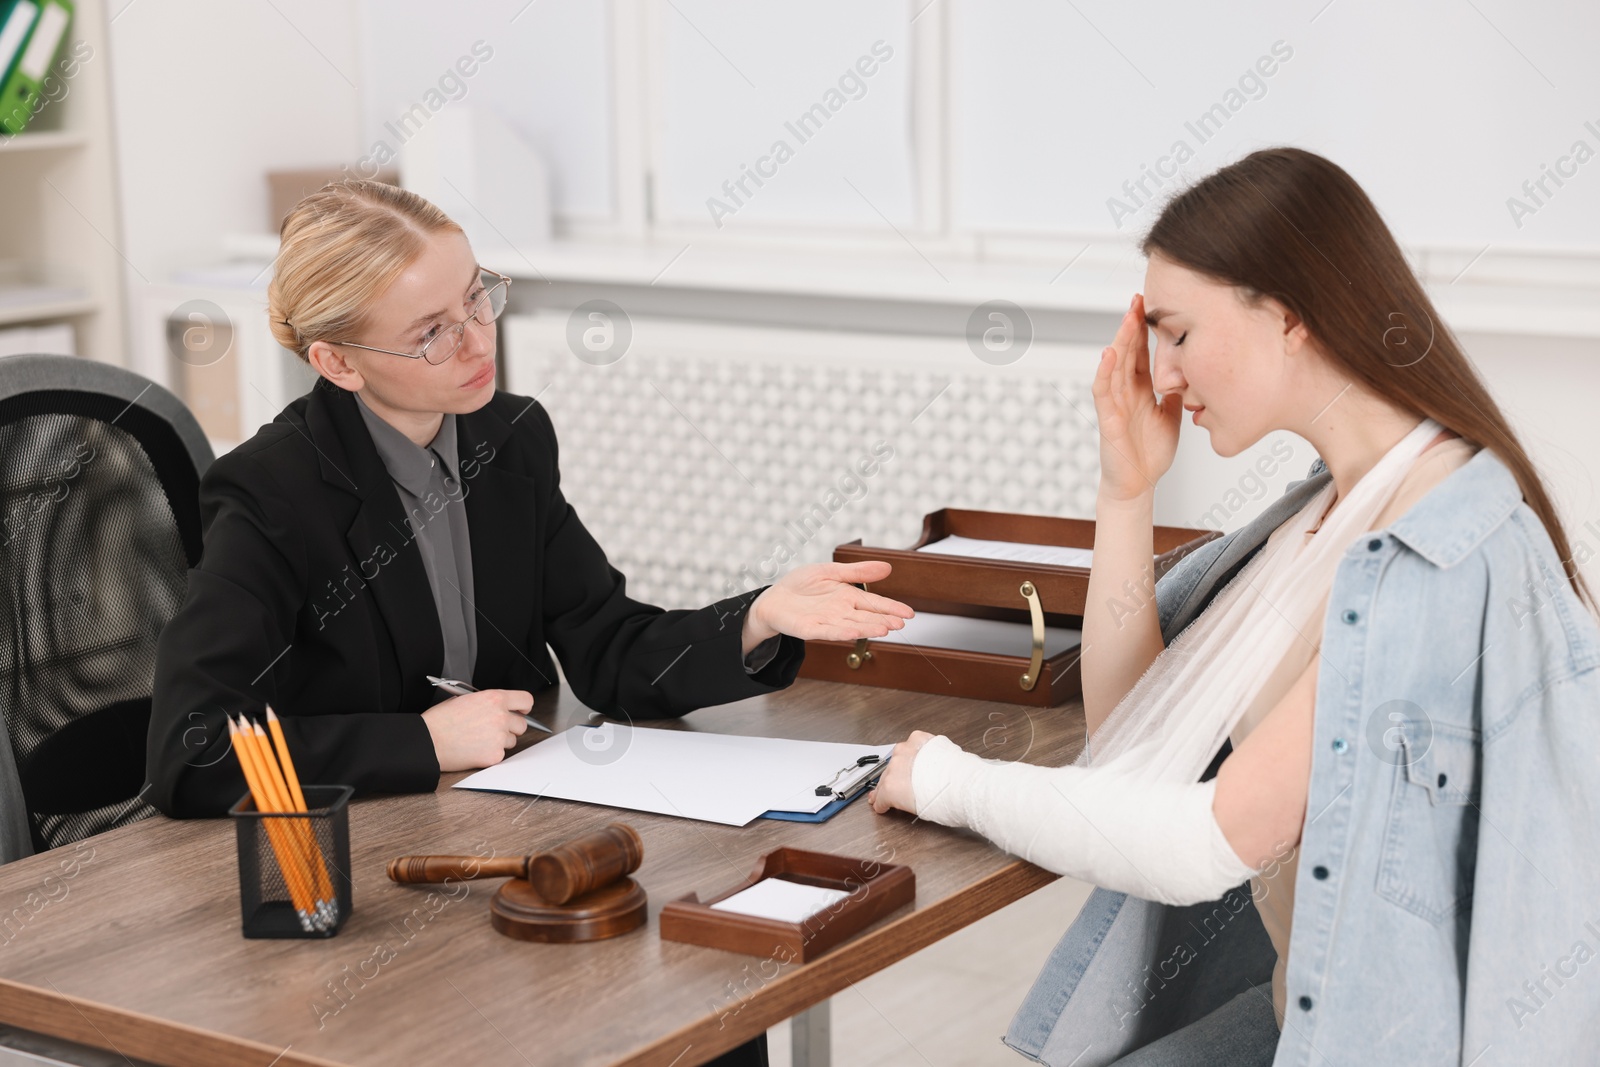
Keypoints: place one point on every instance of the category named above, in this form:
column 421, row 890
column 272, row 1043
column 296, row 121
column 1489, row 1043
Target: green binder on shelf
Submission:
column 17, row 18
column 32, row 34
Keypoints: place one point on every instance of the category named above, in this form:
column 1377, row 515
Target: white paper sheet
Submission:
column 777, row 898
column 980, row 635
column 1055, row 555
column 722, row 778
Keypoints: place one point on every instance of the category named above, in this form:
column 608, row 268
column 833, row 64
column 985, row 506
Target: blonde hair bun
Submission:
column 338, row 250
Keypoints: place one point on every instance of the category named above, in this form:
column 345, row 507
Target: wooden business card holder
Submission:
column 875, row 889
column 1036, row 594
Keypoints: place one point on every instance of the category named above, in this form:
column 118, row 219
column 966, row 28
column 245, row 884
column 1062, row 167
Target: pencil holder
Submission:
column 294, row 867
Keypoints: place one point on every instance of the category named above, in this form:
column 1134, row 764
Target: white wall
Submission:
column 543, row 68
column 207, row 98
column 1442, row 112
column 1546, row 387
column 1440, row 109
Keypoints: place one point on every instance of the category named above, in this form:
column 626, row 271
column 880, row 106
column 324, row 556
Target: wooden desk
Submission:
column 138, row 948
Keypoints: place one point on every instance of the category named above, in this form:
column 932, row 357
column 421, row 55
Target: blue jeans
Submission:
column 1241, row 1033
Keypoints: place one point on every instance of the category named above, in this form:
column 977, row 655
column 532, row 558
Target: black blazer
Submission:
column 310, row 595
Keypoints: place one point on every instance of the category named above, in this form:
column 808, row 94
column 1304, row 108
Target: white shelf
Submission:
column 44, row 141
column 1548, row 294
column 58, row 179
column 1557, row 299
column 56, row 309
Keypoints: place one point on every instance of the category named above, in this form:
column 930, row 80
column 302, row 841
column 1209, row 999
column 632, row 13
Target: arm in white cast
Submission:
column 1159, row 841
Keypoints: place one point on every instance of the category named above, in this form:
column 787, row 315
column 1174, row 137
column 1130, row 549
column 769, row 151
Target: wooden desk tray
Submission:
column 1036, row 594
column 876, row 889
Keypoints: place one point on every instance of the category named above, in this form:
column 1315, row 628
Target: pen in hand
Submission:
column 455, row 687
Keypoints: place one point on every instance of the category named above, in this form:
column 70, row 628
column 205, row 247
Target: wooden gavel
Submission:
column 565, row 872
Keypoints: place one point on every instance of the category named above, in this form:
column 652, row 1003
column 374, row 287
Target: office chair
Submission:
column 99, row 524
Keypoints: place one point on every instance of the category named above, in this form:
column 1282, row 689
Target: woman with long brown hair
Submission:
column 1367, row 716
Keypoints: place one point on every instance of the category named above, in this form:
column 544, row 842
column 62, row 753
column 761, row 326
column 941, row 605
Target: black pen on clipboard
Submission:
column 455, row 687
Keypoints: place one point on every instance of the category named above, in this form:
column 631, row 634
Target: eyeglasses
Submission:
column 444, row 344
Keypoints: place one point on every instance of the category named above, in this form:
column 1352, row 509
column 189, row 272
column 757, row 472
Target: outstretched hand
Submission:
column 821, row 602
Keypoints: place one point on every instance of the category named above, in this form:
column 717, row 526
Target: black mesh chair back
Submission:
column 99, row 525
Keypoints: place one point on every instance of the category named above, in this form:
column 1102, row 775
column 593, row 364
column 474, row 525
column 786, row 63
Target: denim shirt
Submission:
column 1447, row 902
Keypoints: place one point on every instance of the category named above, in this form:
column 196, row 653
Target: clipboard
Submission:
column 857, row 784
column 732, row 779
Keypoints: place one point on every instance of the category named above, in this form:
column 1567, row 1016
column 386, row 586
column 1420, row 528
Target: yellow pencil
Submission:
column 277, row 798
column 294, row 800
column 281, row 743
column 282, row 848
column 290, row 857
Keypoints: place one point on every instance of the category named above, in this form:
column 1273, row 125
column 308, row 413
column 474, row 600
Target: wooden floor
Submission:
column 949, row 1003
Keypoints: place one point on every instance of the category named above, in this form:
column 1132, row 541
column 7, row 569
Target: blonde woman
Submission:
column 405, row 518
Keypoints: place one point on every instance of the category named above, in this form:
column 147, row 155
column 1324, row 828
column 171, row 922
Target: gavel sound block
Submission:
column 577, row 891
